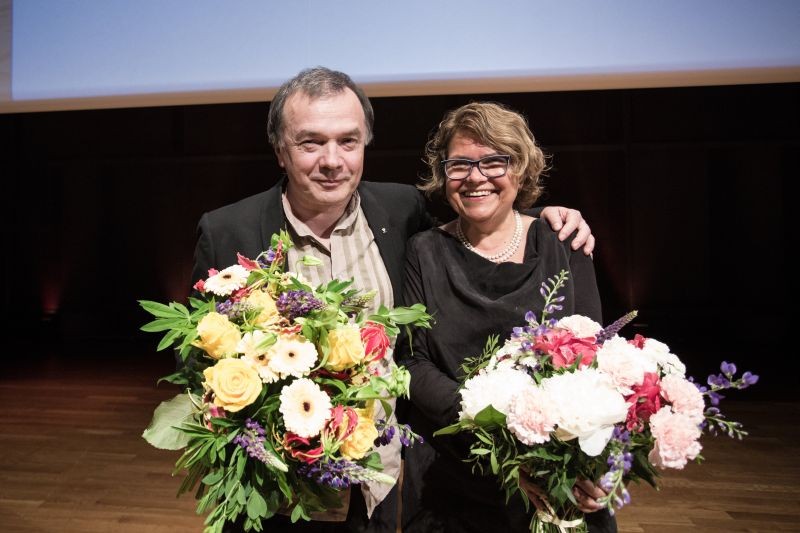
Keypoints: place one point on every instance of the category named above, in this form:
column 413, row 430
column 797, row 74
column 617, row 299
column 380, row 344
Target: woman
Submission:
column 478, row 275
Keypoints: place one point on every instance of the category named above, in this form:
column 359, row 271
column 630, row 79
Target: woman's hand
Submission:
column 586, row 494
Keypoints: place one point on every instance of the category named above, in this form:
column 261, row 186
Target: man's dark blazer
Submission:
column 393, row 211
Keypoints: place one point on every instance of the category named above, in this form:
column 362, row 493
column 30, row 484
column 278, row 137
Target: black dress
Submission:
column 470, row 299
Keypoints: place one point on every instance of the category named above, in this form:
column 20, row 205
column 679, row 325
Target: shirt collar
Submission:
column 346, row 221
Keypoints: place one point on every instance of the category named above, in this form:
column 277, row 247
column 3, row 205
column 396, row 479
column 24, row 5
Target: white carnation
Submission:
column 495, row 388
column 659, row 353
column 580, row 326
column 587, row 407
column 505, row 356
column 624, row 362
column 305, row 408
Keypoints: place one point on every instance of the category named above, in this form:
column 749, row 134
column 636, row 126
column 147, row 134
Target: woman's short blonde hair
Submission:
column 498, row 127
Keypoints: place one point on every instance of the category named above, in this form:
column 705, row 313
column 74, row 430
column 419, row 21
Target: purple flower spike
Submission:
column 293, row 304
column 727, row 368
column 530, row 316
column 614, row 328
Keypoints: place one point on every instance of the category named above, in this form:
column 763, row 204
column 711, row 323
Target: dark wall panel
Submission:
column 685, row 189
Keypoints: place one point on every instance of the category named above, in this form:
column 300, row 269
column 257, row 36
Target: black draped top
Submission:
column 471, row 298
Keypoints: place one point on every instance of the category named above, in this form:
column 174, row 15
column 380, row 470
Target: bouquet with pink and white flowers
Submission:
column 281, row 382
column 568, row 399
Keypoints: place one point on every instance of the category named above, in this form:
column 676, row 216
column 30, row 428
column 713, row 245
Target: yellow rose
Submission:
column 218, row 335
column 235, row 383
column 346, row 348
column 263, row 301
column 361, row 440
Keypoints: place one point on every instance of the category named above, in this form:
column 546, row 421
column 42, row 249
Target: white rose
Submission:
column 580, row 326
column 495, row 388
column 588, row 406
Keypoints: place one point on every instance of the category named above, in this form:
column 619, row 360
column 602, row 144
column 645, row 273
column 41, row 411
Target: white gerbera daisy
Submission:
column 255, row 347
column 305, row 408
column 292, row 355
column 226, row 281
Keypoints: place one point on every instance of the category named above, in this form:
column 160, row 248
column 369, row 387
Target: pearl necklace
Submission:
column 503, row 255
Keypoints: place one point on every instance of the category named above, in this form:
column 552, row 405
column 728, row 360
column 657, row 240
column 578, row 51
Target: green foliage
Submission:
column 164, row 430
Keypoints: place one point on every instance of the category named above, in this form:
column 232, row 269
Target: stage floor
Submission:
column 73, row 459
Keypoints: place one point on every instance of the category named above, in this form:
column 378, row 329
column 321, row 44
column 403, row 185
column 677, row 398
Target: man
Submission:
column 319, row 125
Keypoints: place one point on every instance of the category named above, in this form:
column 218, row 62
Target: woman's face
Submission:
column 478, row 199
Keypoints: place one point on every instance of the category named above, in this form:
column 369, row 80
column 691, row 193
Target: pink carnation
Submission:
column 676, row 439
column 684, row 397
column 564, row 348
column 531, row 416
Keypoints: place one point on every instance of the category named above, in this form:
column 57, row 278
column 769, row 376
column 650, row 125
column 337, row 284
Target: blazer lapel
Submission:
column 272, row 216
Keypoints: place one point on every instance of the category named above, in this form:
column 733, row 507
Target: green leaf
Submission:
column 168, row 339
column 449, row 430
column 256, row 505
column 297, row 513
column 490, row 417
column 414, row 314
column 163, row 324
column 168, row 416
column 160, row 310
column 213, row 477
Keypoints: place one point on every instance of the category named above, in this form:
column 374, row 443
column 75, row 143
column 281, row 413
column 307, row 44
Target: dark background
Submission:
column 685, row 190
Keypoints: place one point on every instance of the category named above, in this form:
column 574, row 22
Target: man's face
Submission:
column 323, row 150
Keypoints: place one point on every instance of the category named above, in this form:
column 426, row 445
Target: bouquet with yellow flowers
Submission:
column 280, row 380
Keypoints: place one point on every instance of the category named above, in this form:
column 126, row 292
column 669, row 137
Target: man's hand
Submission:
column 565, row 220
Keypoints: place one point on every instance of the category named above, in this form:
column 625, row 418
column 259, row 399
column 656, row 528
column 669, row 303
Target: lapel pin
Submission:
column 383, row 230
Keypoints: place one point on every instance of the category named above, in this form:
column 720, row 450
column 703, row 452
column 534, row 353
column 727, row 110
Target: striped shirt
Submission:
column 352, row 254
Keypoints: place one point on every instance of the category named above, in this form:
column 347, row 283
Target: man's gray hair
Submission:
column 314, row 82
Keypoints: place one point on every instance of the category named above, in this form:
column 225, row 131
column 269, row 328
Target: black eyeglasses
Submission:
column 491, row 166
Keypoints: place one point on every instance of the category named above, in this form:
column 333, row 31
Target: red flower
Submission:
column 375, row 340
column 638, row 341
column 249, row 264
column 300, row 448
column 645, row 401
column 564, row 348
column 200, row 286
column 342, row 423
column 239, row 294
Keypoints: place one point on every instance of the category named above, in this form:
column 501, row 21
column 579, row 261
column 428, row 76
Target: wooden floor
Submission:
column 72, row 459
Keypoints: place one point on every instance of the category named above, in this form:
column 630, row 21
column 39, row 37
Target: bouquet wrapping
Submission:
column 282, row 381
column 567, row 399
